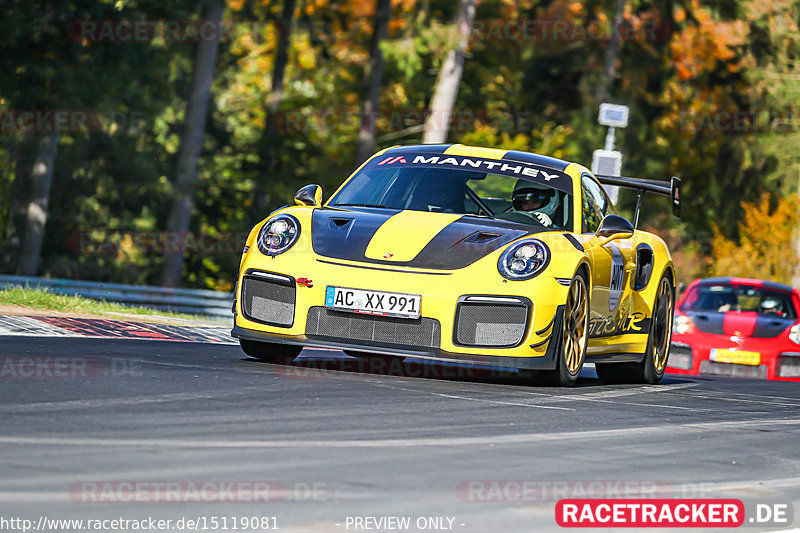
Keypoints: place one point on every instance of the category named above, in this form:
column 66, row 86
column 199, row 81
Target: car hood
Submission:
column 740, row 323
column 409, row 238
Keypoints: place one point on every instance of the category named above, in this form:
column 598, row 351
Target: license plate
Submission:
column 738, row 357
column 373, row 302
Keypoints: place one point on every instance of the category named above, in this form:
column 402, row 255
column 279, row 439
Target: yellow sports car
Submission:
column 459, row 253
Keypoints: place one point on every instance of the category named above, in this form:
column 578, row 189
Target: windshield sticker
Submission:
column 551, row 177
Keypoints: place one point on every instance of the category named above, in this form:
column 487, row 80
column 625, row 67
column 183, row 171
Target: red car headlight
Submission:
column 794, row 334
column 683, row 324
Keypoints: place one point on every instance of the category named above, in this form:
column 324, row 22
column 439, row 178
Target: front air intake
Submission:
column 715, row 368
column 491, row 322
column 268, row 299
column 354, row 327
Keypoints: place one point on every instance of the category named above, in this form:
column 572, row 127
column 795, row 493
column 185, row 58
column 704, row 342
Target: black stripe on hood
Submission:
column 346, row 233
column 708, row 321
column 769, row 327
column 766, row 327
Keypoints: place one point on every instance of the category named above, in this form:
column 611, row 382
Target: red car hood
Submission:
column 740, row 324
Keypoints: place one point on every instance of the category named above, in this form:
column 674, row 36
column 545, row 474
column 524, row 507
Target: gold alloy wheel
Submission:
column 576, row 325
column 662, row 325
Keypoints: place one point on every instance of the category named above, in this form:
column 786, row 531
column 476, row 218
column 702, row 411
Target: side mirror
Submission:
column 613, row 227
column 310, row 195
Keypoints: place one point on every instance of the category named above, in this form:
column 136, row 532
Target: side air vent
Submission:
column 644, row 267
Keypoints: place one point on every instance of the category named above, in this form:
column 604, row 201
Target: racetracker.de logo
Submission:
column 650, row 513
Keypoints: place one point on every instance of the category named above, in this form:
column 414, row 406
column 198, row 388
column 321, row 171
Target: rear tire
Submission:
column 574, row 334
column 651, row 369
column 270, row 352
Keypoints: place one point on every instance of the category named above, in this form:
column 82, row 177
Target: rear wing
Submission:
column 669, row 188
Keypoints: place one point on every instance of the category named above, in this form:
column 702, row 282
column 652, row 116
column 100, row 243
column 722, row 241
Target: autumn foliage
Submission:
column 765, row 248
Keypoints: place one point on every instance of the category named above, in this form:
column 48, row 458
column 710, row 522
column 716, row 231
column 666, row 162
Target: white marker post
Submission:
column 609, row 161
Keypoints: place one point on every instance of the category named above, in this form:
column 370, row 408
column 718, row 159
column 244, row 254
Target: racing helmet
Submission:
column 528, row 190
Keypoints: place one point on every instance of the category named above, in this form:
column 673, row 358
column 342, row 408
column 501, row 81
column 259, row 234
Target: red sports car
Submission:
column 737, row 327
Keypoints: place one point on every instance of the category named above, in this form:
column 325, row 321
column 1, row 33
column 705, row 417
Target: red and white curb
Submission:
column 29, row 326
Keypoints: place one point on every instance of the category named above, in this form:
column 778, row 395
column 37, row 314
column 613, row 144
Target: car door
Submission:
column 612, row 264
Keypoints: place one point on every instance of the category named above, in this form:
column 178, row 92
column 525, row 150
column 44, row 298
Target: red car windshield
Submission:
column 723, row 297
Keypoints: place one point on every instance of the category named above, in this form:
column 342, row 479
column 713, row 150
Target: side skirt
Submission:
column 620, row 357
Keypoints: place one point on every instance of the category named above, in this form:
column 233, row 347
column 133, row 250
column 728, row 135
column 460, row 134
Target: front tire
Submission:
column 270, row 352
column 651, row 369
column 574, row 334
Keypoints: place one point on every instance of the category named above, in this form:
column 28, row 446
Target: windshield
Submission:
column 501, row 190
column 725, row 297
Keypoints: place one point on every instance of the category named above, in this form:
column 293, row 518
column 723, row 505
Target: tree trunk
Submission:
column 18, row 196
column 189, row 151
column 36, row 215
column 444, row 96
column 372, row 84
column 269, row 138
column 612, row 53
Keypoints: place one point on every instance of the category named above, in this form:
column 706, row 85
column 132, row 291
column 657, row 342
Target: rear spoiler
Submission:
column 669, row 188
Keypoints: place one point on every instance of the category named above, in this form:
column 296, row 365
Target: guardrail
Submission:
column 191, row 301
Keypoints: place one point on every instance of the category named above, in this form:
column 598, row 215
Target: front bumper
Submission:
column 546, row 362
column 690, row 355
column 441, row 294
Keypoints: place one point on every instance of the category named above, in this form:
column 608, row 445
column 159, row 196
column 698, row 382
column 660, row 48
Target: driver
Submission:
column 536, row 201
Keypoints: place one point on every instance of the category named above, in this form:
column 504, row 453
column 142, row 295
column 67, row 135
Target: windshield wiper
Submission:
column 362, row 205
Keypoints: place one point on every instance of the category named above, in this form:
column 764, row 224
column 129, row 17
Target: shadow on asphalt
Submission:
column 313, row 367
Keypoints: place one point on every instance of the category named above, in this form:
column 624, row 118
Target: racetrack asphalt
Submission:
column 336, row 438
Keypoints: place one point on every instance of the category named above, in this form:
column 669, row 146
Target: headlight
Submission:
column 278, row 234
column 794, row 334
column 523, row 260
column 682, row 324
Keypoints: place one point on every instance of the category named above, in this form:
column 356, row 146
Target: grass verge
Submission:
column 50, row 301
